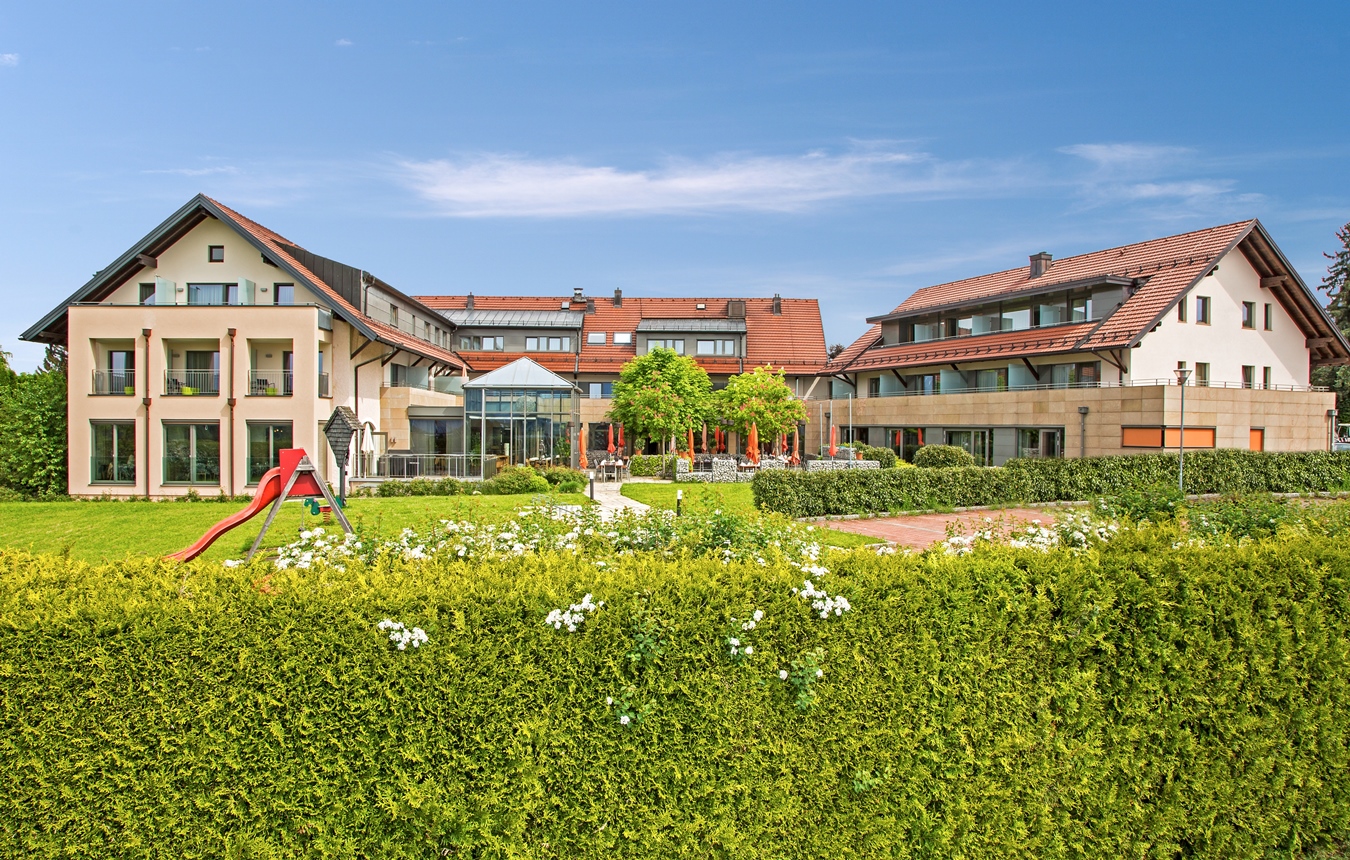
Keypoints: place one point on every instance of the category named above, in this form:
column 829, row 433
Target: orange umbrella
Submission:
column 620, row 435
column 582, row 441
column 705, row 437
column 752, row 447
column 834, row 440
column 690, row 442
column 611, row 438
column 796, row 447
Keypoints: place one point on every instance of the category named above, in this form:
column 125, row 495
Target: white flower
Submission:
column 782, row 674
column 759, row 615
column 820, row 673
column 749, row 649
column 734, row 642
column 624, row 719
column 609, row 700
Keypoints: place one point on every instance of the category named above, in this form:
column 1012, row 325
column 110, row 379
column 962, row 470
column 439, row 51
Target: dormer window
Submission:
column 215, row 253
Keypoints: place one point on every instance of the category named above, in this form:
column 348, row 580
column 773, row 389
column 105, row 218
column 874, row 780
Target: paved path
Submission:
column 610, row 500
column 921, row 531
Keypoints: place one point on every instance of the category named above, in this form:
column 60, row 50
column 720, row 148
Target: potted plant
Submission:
column 129, row 390
column 188, row 391
column 271, row 391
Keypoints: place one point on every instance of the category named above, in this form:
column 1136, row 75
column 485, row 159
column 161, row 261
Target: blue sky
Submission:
column 850, row 152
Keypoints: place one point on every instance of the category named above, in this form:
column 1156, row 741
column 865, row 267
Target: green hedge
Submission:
column 802, row 494
column 1136, row 701
column 651, row 465
column 942, row 456
column 885, row 456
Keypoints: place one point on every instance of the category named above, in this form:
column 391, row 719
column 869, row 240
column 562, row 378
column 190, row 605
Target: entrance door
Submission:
column 1049, row 443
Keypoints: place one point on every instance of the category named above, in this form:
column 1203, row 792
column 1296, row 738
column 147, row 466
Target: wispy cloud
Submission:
column 1166, row 182
column 194, row 171
column 343, row 43
column 9, row 59
column 496, row 185
column 1130, row 157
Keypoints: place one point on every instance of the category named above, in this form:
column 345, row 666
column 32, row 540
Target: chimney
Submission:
column 468, row 303
column 578, row 295
column 618, row 298
column 777, row 305
column 1040, row 264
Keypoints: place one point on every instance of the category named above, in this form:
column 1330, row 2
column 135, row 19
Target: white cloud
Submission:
column 194, row 171
column 343, row 43
column 1127, row 156
column 9, row 59
column 495, row 185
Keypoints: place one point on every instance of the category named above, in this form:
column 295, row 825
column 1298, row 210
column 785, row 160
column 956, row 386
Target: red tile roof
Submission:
column 277, row 244
column 793, row 340
column 1164, row 270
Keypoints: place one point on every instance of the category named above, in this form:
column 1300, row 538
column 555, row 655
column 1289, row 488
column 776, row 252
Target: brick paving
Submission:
column 921, row 531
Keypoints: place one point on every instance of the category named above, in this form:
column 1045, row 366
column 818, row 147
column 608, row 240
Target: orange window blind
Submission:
column 1196, row 437
column 1257, row 439
column 1141, row 437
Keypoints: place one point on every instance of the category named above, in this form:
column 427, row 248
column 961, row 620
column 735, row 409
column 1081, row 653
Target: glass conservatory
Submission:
column 520, row 415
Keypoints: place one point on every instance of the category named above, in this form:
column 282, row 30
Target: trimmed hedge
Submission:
column 651, row 465
column 1134, row 701
column 942, row 457
column 884, row 456
column 801, row 494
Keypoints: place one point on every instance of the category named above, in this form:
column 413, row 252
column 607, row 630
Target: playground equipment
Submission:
column 297, row 478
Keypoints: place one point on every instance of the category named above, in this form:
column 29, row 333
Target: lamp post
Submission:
column 1082, row 432
column 1183, row 374
column 679, row 502
column 591, row 475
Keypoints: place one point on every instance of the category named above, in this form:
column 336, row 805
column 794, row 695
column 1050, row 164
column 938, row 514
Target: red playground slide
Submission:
column 268, row 490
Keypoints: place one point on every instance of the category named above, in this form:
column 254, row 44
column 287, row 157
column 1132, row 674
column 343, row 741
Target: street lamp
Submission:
column 1183, row 374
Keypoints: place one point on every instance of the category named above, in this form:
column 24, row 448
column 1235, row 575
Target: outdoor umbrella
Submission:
column 620, row 437
column 796, row 448
column 705, row 437
column 691, row 444
column 584, row 464
column 717, row 439
column 752, row 446
column 834, row 440
column 611, row 438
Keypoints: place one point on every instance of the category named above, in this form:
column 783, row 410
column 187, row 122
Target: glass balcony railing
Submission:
column 112, row 470
column 115, row 382
column 191, row 382
column 271, row 383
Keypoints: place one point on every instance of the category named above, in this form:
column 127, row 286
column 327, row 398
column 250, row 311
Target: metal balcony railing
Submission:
column 1132, row 383
column 111, row 470
column 190, row 382
column 428, row 466
column 271, row 383
column 115, row 382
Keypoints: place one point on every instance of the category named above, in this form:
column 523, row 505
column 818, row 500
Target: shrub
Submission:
column 885, row 456
column 1134, row 701
column 942, row 457
column 856, row 491
column 514, row 481
column 1155, row 502
column 559, row 475
column 651, row 465
column 1252, row 516
column 8, row 495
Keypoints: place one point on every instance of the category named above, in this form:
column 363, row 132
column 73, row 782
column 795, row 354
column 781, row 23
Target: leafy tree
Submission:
column 835, row 351
column 761, row 397
column 661, row 395
column 33, row 430
column 1338, row 306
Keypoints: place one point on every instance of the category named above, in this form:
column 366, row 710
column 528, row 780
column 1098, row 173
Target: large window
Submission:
column 114, row 460
column 265, row 442
column 548, row 344
column 598, row 390
column 192, row 453
column 1202, row 310
column 119, row 374
column 717, row 347
column 284, row 294
column 1249, row 315
column 479, row 342
column 980, row 444
column 667, row 343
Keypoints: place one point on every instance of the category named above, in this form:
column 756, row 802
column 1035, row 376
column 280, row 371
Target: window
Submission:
column 874, row 387
column 213, row 294
column 477, row 342
column 119, row 374
column 716, row 347
column 192, row 453
column 283, row 294
column 600, row 390
column 992, row 380
column 1181, row 311
column 548, row 344
column 1248, row 376
column 623, row 337
column 114, row 460
column 595, row 338
column 1265, row 377
column 1202, row 373
column 215, row 253
column 148, row 294
column 1249, row 315
column 677, row 345
column 265, row 442
column 927, row 383
column 393, row 316
column 1202, row 310
column 1270, row 317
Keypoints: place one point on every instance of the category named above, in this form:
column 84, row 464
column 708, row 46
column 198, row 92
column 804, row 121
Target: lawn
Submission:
column 735, row 498
column 99, row 530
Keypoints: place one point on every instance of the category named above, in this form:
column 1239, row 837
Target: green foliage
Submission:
column 651, row 465
column 661, row 395
column 1138, row 700
column 801, row 494
column 1337, row 278
column 942, row 457
column 1155, row 503
column 424, row 487
column 885, row 456
column 761, row 397
column 33, row 429
column 517, row 479
column 1251, row 516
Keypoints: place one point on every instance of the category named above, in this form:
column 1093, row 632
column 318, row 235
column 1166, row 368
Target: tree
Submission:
column 760, row 397
column 835, row 351
column 661, row 395
column 1338, row 306
column 32, row 431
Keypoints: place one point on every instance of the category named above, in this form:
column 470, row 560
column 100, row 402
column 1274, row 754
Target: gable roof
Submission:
column 792, row 340
column 334, row 287
column 1160, row 273
column 521, row 373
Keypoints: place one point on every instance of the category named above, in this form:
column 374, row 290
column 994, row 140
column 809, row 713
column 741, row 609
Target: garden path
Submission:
column 921, row 531
column 610, row 500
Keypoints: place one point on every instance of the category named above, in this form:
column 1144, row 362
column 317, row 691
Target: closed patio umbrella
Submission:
column 582, row 442
column 691, row 444
column 621, row 437
column 752, row 446
column 834, row 440
column 796, row 447
column 611, row 439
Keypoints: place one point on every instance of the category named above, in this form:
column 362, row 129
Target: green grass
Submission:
column 735, row 498
column 99, row 531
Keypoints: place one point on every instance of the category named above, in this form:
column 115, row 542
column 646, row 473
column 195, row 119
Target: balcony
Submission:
column 119, row 383
column 112, row 470
column 186, row 383
column 271, row 383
